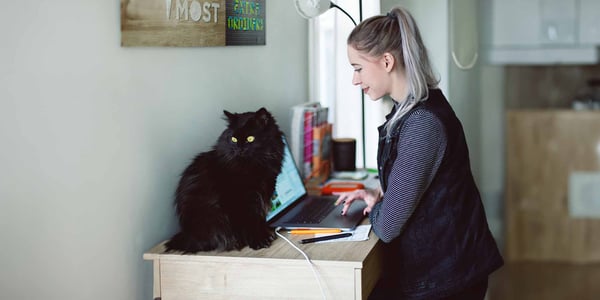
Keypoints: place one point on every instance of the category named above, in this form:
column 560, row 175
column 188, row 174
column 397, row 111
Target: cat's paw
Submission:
column 260, row 244
column 264, row 242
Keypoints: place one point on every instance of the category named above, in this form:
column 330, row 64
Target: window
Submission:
column 331, row 79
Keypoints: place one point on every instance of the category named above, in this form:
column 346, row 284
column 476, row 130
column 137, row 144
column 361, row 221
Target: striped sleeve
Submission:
column 420, row 149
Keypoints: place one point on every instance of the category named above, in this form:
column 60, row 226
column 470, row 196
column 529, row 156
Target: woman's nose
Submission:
column 355, row 79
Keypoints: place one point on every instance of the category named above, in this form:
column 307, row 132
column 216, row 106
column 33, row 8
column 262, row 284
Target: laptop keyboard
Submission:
column 314, row 212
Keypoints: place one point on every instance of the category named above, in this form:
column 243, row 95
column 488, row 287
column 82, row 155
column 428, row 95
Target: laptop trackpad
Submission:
column 349, row 221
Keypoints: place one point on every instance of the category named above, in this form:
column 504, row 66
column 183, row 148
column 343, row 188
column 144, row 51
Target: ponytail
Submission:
column 398, row 34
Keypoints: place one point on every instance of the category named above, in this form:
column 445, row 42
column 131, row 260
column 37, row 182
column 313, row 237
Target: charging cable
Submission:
column 310, row 263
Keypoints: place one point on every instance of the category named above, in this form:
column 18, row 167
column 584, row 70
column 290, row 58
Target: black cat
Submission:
column 224, row 195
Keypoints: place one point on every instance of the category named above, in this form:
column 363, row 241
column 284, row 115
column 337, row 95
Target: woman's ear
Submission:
column 389, row 61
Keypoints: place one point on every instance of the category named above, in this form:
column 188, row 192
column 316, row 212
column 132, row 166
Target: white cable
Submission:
column 310, row 263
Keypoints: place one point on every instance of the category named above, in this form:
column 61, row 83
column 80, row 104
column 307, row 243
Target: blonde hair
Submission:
column 398, row 34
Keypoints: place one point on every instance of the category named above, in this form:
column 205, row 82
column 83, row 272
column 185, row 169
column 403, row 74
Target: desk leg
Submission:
column 156, row 285
column 358, row 284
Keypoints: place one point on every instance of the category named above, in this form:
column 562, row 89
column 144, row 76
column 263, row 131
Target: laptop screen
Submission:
column 288, row 187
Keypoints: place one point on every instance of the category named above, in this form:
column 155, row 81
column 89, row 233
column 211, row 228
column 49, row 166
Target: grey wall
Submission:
column 477, row 96
column 493, row 144
column 461, row 87
column 93, row 137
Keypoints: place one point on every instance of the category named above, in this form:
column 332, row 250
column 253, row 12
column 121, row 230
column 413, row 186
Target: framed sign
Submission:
column 192, row 23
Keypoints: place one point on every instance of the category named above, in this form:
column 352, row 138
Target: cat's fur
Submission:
column 223, row 196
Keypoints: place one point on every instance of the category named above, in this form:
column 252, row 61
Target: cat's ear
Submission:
column 264, row 115
column 229, row 116
column 262, row 110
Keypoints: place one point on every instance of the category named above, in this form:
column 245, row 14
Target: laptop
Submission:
column 293, row 208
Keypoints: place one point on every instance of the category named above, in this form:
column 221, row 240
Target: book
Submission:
column 321, row 158
column 297, row 133
column 309, row 121
column 311, row 141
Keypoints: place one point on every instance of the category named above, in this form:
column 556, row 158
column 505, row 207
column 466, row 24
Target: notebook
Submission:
column 292, row 207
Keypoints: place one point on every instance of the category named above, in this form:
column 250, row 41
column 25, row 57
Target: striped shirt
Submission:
column 421, row 145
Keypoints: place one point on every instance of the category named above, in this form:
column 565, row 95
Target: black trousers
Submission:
column 475, row 292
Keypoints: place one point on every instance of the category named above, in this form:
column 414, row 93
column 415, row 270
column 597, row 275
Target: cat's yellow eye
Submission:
column 250, row 139
column 234, row 139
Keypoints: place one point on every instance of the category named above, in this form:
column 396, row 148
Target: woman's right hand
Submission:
column 371, row 197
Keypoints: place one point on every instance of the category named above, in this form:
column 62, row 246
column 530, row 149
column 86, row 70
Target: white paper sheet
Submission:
column 361, row 233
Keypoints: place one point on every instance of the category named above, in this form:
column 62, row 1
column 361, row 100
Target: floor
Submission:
column 545, row 281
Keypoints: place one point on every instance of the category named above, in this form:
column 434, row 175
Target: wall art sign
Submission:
column 192, row 23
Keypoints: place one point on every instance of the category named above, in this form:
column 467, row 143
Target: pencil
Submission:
column 326, row 238
column 314, row 231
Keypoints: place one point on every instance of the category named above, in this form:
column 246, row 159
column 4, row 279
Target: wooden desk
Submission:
column 348, row 270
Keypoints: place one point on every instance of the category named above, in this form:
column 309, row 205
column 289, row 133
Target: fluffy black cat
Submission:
column 224, row 195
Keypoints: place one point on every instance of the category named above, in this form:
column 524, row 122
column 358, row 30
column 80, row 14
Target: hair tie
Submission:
column 390, row 15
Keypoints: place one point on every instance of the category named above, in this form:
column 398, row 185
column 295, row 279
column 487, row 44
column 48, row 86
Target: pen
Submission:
column 326, row 238
column 313, row 231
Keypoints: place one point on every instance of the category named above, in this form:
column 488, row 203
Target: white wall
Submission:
column 93, row 137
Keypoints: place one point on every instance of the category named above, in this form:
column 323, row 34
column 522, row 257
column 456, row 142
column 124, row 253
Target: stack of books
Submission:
column 311, row 141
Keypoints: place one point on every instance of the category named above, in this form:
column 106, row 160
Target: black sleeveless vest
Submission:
column 445, row 246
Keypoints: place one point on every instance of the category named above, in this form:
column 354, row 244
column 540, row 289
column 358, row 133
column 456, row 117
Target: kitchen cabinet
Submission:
column 557, row 22
column 544, row 148
column 589, row 22
column 544, row 32
column 518, row 23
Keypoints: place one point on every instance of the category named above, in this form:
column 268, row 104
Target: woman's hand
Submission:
column 371, row 197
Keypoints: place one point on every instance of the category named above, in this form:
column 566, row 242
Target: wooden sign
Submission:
column 192, row 23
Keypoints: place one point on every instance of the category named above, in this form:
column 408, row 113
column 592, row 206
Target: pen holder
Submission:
column 344, row 154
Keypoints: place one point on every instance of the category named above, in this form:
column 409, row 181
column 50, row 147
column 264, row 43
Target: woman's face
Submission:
column 370, row 73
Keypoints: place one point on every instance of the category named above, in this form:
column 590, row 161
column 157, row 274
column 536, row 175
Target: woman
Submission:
column 428, row 211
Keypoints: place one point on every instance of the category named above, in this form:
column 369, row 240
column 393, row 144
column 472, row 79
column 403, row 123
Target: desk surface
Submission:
column 346, row 252
column 326, row 253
